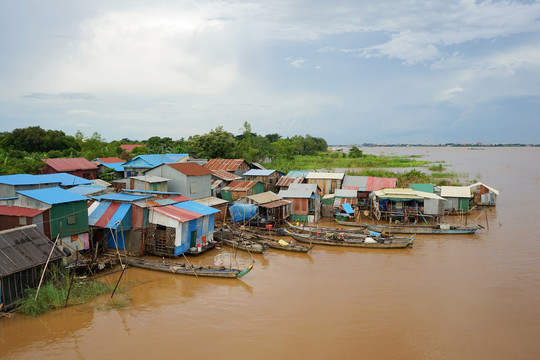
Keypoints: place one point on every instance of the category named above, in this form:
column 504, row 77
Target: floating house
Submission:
column 458, row 198
column 327, row 182
column 23, row 254
column 306, row 200
column 218, row 204
column 189, row 179
column 483, row 194
column 406, row 204
column 284, row 182
column 180, row 228
column 241, row 188
column 221, row 179
column 268, row 178
column 16, row 216
column 359, row 184
column 142, row 163
column 345, row 196
column 74, row 166
column 271, row 208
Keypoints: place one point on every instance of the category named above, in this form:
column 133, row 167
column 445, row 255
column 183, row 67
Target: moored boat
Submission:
column 324, row 229
column 236, row 241
column 440, row 229
column 341, row 239
column 189, row 269
column 276, row 244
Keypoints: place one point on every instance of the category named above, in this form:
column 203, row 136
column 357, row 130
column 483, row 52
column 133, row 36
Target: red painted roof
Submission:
column 224, row 164
column 129, row 148
column 177, row 213
column 190, row 169
column 70, row 164
column 240, row 185
column 19, row 211
column 111, row 160
column 378, row 183
column 180, row 198
column 225, row 175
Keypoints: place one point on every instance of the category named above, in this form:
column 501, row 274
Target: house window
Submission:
column 22, row 220
column 71, row 219
column 193, row 188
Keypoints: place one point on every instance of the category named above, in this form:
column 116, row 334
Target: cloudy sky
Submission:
column 348, row 71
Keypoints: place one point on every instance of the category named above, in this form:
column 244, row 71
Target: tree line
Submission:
column 21, row 150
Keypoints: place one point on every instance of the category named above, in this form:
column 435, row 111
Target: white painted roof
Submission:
column 456, row 191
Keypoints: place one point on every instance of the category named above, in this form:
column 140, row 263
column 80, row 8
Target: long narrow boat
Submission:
column 275, row 244
column 440, row 229
column 189, row 269
column 350, row 223
column 361, row 242
column 323, row 229
column 240, row 242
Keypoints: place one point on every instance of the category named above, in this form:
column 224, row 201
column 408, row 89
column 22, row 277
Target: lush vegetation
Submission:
column 53, row 293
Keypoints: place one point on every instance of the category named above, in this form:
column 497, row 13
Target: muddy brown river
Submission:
column 447, row 297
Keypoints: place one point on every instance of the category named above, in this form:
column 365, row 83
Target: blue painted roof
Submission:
column 117, row 218
column 196, row 207
column 115, row 166
column 151, row 192
column 86, row 189
column 121, row 197
column 53, row 195
column 148, row 161
column 64, row 178
column 347, row 207
column 25, row 179
column 296, row 173
column 256, row 172
column 176, row 157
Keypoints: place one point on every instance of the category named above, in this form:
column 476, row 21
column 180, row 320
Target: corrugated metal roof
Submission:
column 265, row 197
column 52, row 196
column 240, row 185
column 150, row 179
column 148, row 161
column 474, row 186
column 324, row 175
column 301, row 191
column 405, row 193
column 109, row 160
column 19, row 211
column 70, row 164
column 287, row 181
column 224, row 164
column 429, row 188
column 180, row 198
column 257, row 166
column 129, row 147
column 118, row 167
column 86, row 189
column 225, row 175
column 122, row 197
column 190, row 169
column 211, row 201
column 176, row 157
column 24, row 248
column 310, row 187
column 344, row 193
column 25, row 179
column 297, row 173
column 196, row 207
column 257, row 172
column 176, row 213
column 64, row 179
column 357, row 183
column 110, row 215
column 456, row 191
column 275, row 204
column 101, row 182
column 378, row 183
column 215, row 183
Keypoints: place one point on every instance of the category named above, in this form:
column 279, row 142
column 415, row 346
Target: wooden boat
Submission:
column 189, row 269
column 239, row 242
column 324, row 229
column 348, row 241
column 440, row 229
column 351, row 223
column 275, row 244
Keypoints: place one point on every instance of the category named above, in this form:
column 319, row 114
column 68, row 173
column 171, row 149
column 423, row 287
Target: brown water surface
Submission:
column 448, row 297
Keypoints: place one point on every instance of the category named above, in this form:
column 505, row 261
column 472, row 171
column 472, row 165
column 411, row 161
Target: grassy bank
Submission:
column 334, row 160
column 411, row 177
column 53, row 293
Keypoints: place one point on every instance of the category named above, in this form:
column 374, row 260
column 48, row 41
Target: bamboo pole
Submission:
column 45, row 267
column 69, row 289
column 118, row 282
column 487, row 223
column 191, row 266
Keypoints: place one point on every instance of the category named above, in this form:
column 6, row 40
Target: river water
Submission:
column 448, row 297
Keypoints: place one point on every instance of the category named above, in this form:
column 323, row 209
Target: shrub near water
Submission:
column 53, row 293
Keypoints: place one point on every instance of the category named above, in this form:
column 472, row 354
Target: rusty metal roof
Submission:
column 70, row 164
column 265, row 197
column 224, row 164
column 176, row 213
column 240, row 185
column 24, row 248
column 287, row 181
column 378, row 183
column 109, row 160
column 19, row 211
column 190, row 169
column 225, row 175
column 275, row 204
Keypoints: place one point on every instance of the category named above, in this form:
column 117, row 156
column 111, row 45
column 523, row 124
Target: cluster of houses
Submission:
column 169, row 205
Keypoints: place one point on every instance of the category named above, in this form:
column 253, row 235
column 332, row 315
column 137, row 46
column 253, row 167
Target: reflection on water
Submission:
column 449, row 297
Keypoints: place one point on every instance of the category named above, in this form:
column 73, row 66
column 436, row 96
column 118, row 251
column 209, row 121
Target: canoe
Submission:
column 360, row 242
column 275, row 244
column 350, row 223
column 239, row 242
column 438, row 229
column 188, row 269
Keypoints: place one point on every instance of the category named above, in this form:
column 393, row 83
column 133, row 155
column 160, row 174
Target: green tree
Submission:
column 355, row 152
column 218, row 143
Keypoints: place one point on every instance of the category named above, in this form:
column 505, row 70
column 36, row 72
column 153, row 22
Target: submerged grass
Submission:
column 53, row 293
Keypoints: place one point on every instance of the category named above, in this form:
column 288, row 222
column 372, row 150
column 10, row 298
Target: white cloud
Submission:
column 296, row 62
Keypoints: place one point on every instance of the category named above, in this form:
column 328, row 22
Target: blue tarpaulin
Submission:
column 241, row 212
column 347, row 207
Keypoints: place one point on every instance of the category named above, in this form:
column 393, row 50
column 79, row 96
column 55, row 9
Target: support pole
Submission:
column 47, row 263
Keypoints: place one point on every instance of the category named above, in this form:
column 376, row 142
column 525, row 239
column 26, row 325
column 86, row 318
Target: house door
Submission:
column 193, row 241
